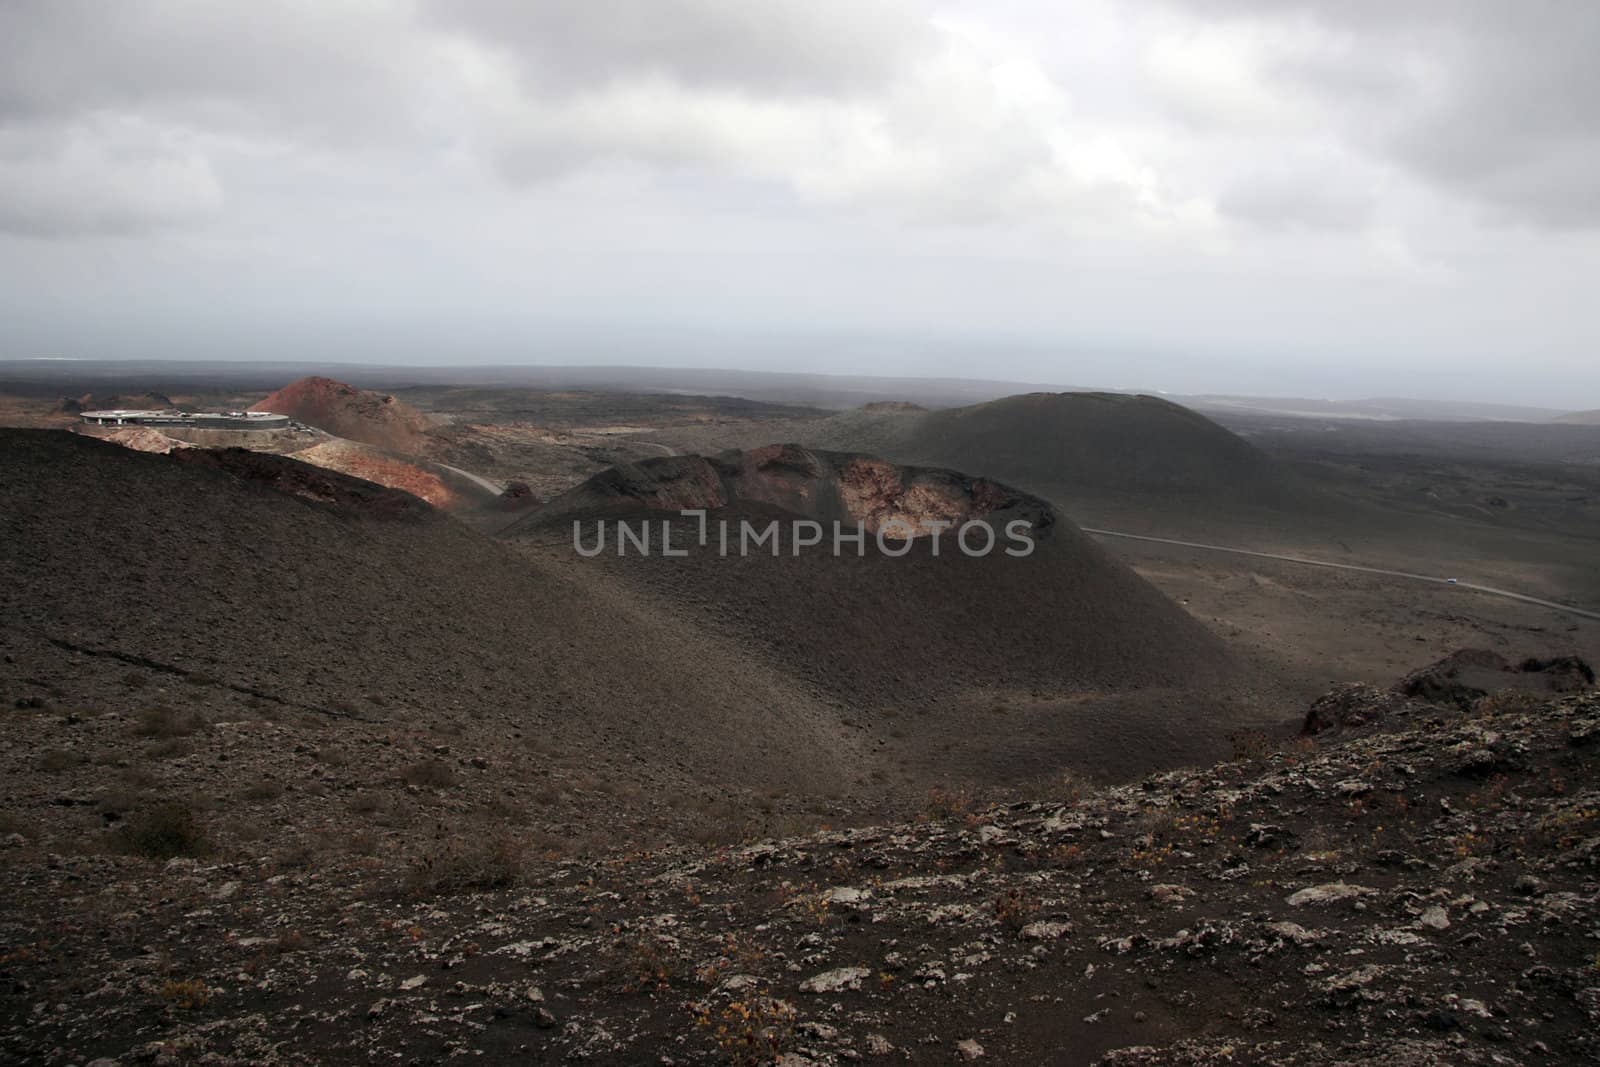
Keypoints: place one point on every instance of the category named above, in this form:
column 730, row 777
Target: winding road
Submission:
column 1568, row 608
column 476, row 479
column 666, row 450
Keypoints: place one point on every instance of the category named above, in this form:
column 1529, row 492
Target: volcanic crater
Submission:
column 843, row 487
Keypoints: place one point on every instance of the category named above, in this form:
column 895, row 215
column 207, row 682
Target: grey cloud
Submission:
column 807, row 47
column 101, row 178
column 112, row 115
column 470, row 169
column 1305, row 199
column 1517, row 124
column 663, row 84
column 1498, row 102
column 321, row 69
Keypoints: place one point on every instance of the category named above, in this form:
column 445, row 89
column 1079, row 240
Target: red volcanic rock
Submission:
column 518, row 496
column 348, row 412
column 1464, row 677
column 876, row 493
column 826, row 486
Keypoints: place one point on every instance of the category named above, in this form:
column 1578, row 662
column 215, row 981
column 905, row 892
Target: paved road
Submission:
column 1568, row 608
column 476, row 478
column 666, row 450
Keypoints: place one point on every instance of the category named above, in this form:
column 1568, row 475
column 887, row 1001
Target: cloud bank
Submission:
column 1263, row 187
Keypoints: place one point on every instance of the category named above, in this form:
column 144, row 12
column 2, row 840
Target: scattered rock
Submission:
column 835, row 981
column 1328, row 893
column 1045, row 931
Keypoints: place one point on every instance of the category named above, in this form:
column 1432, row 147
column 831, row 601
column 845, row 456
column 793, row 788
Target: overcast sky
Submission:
column 1335, row 198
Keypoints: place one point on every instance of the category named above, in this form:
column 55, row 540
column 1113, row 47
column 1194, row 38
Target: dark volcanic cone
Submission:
column 823, row 486
column 911, row 632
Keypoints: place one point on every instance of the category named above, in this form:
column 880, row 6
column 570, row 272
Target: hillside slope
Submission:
column 1064, row 655
column 1420, row 895
column 1063, row 443
column 354, row 414
column 238, row 579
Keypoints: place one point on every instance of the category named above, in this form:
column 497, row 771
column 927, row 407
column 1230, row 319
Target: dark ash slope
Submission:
column 1005, row 665
column 345, row 599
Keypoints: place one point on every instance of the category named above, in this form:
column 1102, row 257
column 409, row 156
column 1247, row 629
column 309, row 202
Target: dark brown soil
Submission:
column 1422, row 895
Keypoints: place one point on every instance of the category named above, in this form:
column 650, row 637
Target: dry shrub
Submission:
column 366, row 803
column 650, row 962
column 164, row 832
column 1250, row 745
column 429, row 774
column 362, row 843
column 472, row 861
column 171, row 748
column 295, row 856
column 1014, row 909
column 186, row 995
column 59, row 759
column 162, row 721
column 1510, row 702
column 748, row 1032
column 946, row 803
column 265, row 789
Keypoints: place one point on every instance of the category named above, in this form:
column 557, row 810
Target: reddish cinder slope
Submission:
column 365, row 462
column 355, row 414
